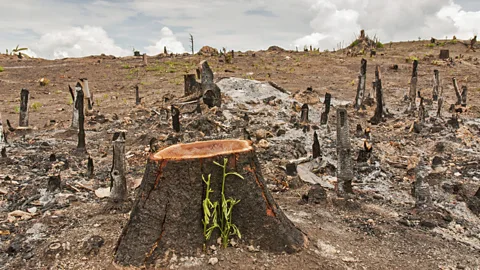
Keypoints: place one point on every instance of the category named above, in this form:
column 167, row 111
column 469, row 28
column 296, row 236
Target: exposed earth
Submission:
column 378, row 228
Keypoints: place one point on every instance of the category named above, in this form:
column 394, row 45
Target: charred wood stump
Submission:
column 81, row 119
column 168, row 211
column 304, row 114
column 436, row 85
column 464, row 96
column 457, row 91
column 138, row 99
column 344, row 148
column 326, row 109
column 439, row 107
column 90, row 169
column 175, row 118
column 379, row 110
column 191, row 85
column 412, row 106
column 54, row 183
column 444, row 54
column 73, row 94
column 118, row 182
column 211, row 92
column 362, row 79
column 365, row 153
column 24, row 95
column 422, row 113
column 316, row 146
column 2, row 136
column 145, row 59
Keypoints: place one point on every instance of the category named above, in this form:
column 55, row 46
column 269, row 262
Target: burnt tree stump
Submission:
column 211, row 92
column 436, row 85
column 24, row 94
column 379, row 110
column 326, row 109
column 138, row 99
column 118, row 182
column 191, row 85
column 74, row 124
column 457, row 92
column 362, row 78
column 444, row 54
column 167, row 213
column 412, row 106
column 81, row 119
column 344, row 156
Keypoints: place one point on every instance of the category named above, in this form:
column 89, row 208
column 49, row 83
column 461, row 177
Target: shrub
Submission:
column 1, row 69
column 354, row 43
column 380, row 45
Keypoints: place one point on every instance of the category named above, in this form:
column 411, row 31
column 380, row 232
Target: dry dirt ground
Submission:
column 378, row 229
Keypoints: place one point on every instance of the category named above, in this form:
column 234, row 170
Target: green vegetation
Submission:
column 1, row 69
column 16, row 109
column 125, row 66
column 411, row 59
column 354, row 43
column 380, row 45
column 219, row 216
column 430, row 45
column 36, row 105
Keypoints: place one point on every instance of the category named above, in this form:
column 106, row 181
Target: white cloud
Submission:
column 167, row 39
column 77, row 42
column 335, row 21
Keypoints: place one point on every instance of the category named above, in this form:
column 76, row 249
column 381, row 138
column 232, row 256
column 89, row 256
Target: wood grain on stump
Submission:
column 167, row 213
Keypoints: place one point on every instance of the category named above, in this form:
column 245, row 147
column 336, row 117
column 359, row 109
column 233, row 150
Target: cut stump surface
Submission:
column 167, row 214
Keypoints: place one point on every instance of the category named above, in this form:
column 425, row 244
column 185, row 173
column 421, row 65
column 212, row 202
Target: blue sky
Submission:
column 73, row 28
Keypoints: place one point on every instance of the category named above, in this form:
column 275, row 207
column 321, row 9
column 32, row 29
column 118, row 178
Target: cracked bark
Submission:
column 167, row 213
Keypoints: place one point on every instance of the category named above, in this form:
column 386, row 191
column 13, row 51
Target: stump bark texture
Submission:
column 167, row 214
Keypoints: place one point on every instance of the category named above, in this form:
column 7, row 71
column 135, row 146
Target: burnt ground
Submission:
column 379, row 228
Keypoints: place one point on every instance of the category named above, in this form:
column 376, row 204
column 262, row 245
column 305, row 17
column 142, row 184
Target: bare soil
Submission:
column 379, row 228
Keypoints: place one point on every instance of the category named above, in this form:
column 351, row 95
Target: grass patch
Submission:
column 125, row 66
column 430, row 45
column 380, row 45
column 16, row 109
column 1, row 69
column 36, row 105
column 354, row 43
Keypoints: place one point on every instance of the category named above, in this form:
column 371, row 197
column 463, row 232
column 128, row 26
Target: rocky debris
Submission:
column 275, row 49
column 208, row 51
column 93, row 244
column 316, row 195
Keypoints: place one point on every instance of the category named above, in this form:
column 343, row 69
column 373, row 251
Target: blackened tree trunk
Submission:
column 24, row 94
column 316, row 146
column 211, row 92
column 326, row 109
column 304, row 114
column 167, row 214
column 118, row 182
column 2, row 136
column 412, row 106
column 362, row 79
column 191, row 85
column 81, row 119
column 379, row 110
column 464, row 96
column 436, row 85
column 74, row 124
column 138, row 99
column 175, row 118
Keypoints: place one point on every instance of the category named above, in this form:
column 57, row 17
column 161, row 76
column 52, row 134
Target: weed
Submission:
column 411, row 59
column 354, row 43
column 125, row 66
column 430, row 45
column 16, row 109
column 36, row 105
column 108, row 66
column 69, row 100
column 453, row 41
column 219, row 215
column 1, row 69
column 380, row 45
column 442, row 44
column 44, row 82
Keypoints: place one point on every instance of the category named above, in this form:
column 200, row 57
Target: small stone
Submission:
column 253, row 249
column 213, row 261
column 213, row 247
column 457, row 174
column 32, row 210
column 263, row 144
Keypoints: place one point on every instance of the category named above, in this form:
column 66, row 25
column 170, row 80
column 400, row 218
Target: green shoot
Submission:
column 215, row 213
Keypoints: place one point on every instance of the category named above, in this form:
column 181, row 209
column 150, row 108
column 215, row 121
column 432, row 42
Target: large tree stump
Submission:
column 167, row 213
column 412, row 106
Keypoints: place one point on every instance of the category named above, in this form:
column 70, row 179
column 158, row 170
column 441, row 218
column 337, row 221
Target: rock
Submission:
column 12, row 216
column 208, row 51
column 93, row 245
column 253, row 249
column 316, row 195
column 263, row 144
column 213, row 261
column 102, row 192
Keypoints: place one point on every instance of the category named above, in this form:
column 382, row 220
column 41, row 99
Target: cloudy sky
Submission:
column 73, row 28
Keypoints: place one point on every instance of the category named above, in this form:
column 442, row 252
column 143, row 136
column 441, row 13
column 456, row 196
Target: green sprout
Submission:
column 219, row 215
